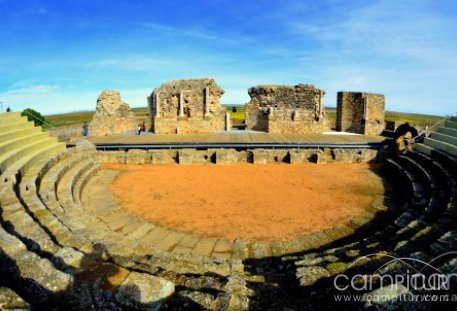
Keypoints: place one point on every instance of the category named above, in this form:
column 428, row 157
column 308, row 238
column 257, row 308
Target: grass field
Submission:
column 412, row 118
column 79, row 118
column 238, row 117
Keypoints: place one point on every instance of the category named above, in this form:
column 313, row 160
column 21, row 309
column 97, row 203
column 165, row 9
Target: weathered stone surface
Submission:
column 206, row 300
column 204, row 247
column 387, row 298
column 203, row 282
column 239, row 293
column 286, row 109
column 135, row 156
column 354, row 155
column 259, row 156
column 111, row 116
column 240, row 249
column 107, row 276
column 228, row 156
column 187, row 106
column 192, row 156
column 285, row 247
column 163, row 156
column 111, row 156
column 9, row 300
column 69, row 257
column 361, row 113
column 85, row 145
column 309, row 275
column 261, row 250
column 143, row 290
column 43, row 272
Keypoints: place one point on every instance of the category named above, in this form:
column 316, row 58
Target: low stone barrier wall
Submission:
column 230, row 155
column 67, row 133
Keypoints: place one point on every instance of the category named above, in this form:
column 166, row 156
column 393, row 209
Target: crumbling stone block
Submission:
column 187, row 106
column 136, row 156
column 259, row 156
column 163, row 156
column 227, row 156
column 361, row 113
column 286, row 109
column 111, row 116
column 192, row 156
column 111, row 156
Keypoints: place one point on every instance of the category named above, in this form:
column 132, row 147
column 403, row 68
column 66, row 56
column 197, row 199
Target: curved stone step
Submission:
column 17, row 221
column 420, row 174
column 82, row 182
column 15, row 122
column 14, row 127
column 47, row 188
column 444, row 138
column 442, row 146
column 443, row 177
column 66, row 184
column 17, row 133
column 16, row 143
column 451, row 124
column 447, row 131
column 11, row 301
column 11, row 157
column 45, row 217
column 405, row 180
column 24, row 163
column 33, row 276
column 9, row 115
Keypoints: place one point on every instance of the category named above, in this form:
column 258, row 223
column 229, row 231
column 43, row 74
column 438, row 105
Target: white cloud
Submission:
column 196, row 33
column 404, row 49
column 30, row 90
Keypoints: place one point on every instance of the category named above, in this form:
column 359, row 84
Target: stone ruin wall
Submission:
column 187, row 106
column 231, row 155
column 111, row 116
column 286, row 109
column 361, row 113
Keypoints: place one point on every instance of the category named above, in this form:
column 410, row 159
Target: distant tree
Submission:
column 8, row 109
column 33, row 115
column 234, row 109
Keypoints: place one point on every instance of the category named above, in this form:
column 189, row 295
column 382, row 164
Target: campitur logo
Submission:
column 402, row 278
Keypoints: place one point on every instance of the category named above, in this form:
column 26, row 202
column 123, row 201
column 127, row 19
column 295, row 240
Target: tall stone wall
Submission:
column 111, row 116
column 361, row 113
column 286, row 109
column 187, row 106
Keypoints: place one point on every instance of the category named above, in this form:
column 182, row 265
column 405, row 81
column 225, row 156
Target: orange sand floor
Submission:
column 270, row 202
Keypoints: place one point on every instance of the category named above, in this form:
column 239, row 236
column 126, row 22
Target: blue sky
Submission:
column 57, row 56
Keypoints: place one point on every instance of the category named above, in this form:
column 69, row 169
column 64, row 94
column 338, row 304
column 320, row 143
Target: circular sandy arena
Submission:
column 243, row 201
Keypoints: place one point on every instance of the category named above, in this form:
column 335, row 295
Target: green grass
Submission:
column 67, row 119
column 79, row 118
column 412, row 118
column 237, row 117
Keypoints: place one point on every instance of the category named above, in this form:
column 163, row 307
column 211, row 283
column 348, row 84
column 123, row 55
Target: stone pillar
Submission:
column 365, row 108
column 296, row 115
column 157, row 104
column 271, row 111
column 206, row 101
column 321, row 108
column 228, row 125
column 181, row 104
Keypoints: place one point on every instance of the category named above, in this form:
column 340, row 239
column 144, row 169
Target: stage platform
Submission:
column 236, row 140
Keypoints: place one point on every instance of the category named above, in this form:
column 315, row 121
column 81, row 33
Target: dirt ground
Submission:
column 268, row 203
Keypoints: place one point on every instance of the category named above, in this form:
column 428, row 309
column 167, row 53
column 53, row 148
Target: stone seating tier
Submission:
column 53, row 231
